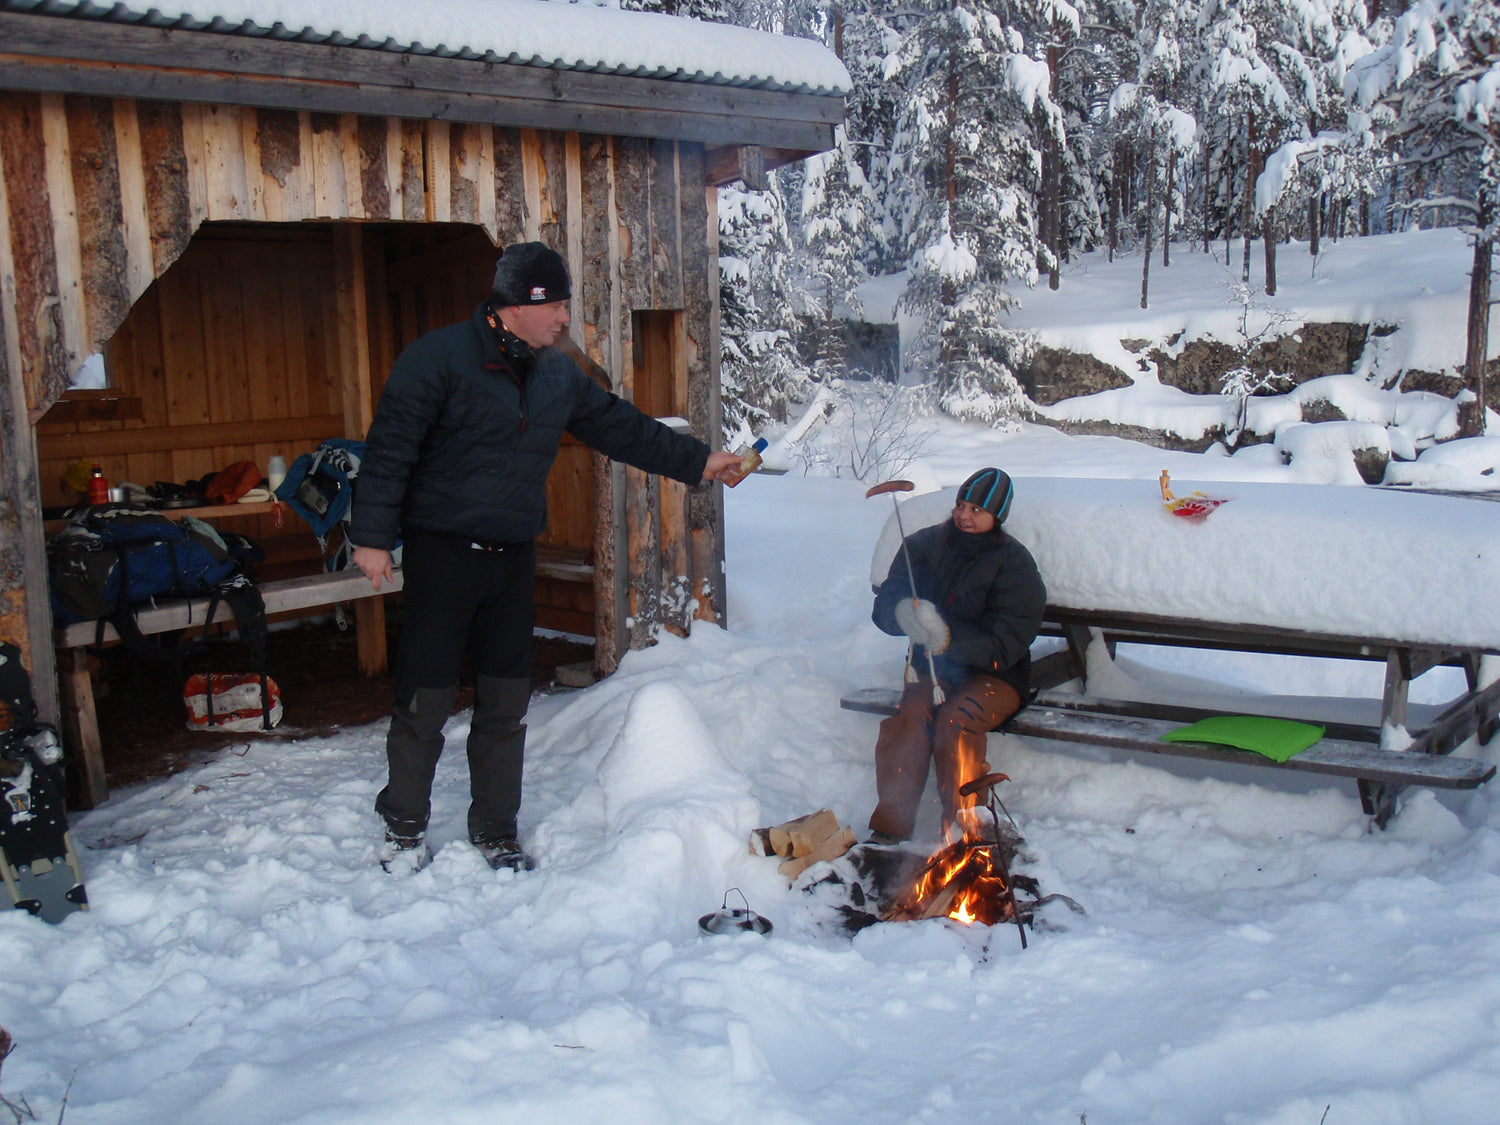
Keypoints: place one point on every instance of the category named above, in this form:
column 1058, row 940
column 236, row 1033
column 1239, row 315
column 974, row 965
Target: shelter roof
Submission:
column 539, row 33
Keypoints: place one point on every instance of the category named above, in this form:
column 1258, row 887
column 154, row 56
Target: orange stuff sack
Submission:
column 232, row 483
column 237, row 702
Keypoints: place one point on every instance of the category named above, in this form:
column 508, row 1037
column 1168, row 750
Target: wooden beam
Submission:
column 359, row 409
column 786, row 131
column 124, row 46
column 728, row 163
column 24, row 609
column 93, row 406
column 80, row 730
column 204, row 435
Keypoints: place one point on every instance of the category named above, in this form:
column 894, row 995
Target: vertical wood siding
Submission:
column 101, row 197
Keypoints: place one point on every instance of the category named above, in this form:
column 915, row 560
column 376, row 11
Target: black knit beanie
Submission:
column 990, row 489
column 530, row 273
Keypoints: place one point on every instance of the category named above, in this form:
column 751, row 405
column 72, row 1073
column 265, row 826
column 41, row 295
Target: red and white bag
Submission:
column 236, row 702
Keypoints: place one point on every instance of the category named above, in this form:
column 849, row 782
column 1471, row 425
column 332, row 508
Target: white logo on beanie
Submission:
column 538, row 292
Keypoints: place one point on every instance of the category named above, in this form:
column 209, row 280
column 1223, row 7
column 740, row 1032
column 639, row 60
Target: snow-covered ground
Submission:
column 1250, row 953
column 1415, row 284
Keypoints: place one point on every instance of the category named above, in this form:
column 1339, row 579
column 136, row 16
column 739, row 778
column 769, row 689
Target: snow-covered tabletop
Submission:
column 1372, row 562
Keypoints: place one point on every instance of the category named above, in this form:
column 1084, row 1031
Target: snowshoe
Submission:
column 38, row 862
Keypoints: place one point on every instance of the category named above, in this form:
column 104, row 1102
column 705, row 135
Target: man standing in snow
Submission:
column 456, row 465
column 977, row 606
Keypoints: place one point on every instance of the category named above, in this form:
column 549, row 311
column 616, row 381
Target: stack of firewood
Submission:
column 803, row 842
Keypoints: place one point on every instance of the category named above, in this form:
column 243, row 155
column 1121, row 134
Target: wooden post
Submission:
column 359, row 411
column 80, row 727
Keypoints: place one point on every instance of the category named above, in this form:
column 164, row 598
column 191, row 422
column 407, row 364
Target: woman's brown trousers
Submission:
column 953, row 740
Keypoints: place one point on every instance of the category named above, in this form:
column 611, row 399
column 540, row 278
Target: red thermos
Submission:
column 98, row 486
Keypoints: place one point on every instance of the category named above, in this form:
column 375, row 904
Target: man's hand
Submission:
column 720, row 465
column 923, row 623
column 374, row 564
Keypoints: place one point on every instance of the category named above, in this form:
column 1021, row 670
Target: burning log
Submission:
column 966, row 881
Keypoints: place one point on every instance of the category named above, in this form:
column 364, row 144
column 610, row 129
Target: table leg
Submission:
column 86, row 778
column 369, row 625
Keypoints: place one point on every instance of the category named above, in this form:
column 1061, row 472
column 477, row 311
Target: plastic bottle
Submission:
column 749, row 461
column 98, row 486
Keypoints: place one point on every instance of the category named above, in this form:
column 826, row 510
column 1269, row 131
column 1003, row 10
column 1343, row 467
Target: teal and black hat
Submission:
column 990, row 489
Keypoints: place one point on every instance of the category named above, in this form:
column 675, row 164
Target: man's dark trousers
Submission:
column 461, row 598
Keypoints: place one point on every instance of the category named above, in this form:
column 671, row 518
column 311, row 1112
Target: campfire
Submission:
column 968, row 879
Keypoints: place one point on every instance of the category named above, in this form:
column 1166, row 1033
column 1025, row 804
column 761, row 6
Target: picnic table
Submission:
column 1338, row 573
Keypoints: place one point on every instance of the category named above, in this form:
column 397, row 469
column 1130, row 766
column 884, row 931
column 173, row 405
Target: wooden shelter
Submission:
column 248, row 223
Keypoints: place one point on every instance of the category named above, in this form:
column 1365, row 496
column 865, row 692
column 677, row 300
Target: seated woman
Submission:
column 977, row 606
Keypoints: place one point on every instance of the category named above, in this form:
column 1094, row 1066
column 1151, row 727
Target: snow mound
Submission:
column 676, row 813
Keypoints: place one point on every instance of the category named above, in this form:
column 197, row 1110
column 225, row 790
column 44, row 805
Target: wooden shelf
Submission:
column 210, row 512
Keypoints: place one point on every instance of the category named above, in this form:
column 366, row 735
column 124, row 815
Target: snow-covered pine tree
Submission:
column 837, row 218
column 1436, row 86
column 1271, row 75
column 1245, row 95
column 968, row 150
column 868, row 32
column 713, row 11
column 759, row 371
column 1083, row 68
column 1164, row 136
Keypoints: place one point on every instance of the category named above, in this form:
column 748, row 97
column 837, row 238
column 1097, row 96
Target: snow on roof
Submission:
column 556, row 35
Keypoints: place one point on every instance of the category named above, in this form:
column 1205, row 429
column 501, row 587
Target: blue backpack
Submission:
column 319, row 487
column 114, row 558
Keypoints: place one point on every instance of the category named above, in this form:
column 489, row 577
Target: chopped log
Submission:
column 799, row 837
column 830, row 848
column 760, row 842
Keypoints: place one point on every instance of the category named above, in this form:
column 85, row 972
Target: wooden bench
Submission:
column 283, row 596
column 1347, row 750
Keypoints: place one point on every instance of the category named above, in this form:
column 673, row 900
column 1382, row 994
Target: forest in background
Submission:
column 989, row 141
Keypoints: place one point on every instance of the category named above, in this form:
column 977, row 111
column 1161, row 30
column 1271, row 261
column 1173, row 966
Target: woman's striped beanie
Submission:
column 990, row 489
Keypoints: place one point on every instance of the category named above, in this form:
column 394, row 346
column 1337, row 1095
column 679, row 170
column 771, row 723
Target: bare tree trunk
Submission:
column 1471, row 414
column 1114, row 203
column 1150, row 201
column 1270, row 240
column 949, row 295
column 1049, row 209
column 1312, row 226
column 1166, row 230
column 1247, row 223
column 1364, row 217
column 1207, row 199
column 1052, row 182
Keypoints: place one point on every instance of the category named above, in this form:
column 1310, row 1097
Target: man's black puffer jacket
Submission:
column 988, row 590
column 461, row 446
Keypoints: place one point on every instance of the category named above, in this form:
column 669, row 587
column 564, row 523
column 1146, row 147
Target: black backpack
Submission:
column 112, row 560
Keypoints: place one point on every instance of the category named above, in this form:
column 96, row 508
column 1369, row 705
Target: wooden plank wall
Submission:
column 232, row 356
column 100, row 196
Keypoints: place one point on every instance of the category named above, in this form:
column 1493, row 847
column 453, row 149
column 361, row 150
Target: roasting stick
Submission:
column 988, row 783
column 893, row 487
